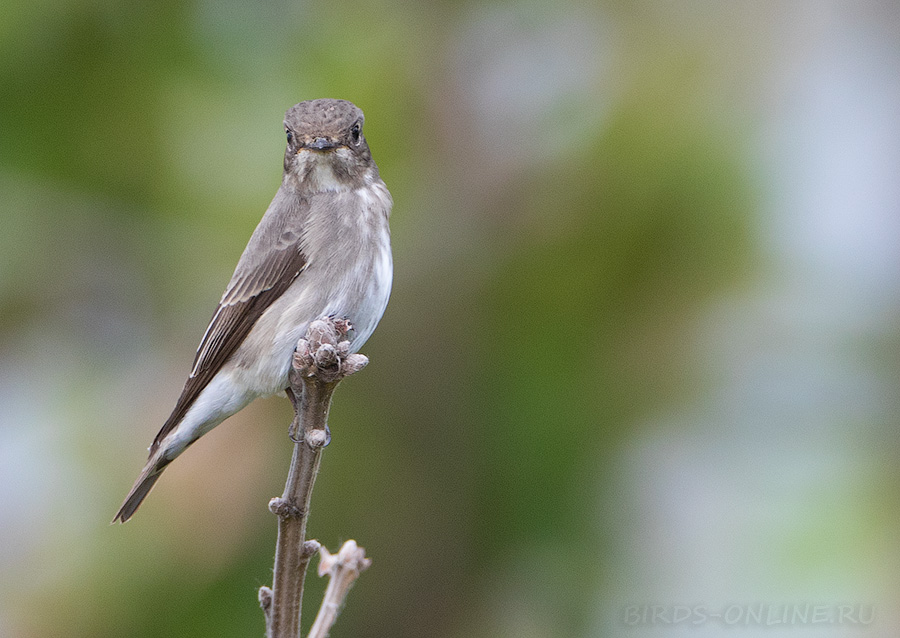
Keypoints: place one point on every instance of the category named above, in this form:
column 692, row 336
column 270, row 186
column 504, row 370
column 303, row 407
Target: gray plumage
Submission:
column 321, row 249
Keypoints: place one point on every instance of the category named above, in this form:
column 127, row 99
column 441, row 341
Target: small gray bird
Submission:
column 323, row 248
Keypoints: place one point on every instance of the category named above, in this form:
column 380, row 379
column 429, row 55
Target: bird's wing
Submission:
column 271, row 262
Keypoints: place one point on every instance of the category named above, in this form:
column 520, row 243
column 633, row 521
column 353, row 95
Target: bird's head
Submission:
column 326, row 149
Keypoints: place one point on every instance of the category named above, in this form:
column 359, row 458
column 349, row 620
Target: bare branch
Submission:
column 342, row 569
column 321, row 361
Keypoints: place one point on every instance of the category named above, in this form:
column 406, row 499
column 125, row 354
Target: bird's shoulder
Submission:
column 273, row 252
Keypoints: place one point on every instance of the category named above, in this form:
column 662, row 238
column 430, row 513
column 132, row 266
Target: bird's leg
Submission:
column 295, row 432
column 290, row 395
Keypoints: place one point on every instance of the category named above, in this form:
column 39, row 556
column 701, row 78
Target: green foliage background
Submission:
column 622, row 363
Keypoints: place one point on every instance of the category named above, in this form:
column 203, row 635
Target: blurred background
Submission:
column 642, row 348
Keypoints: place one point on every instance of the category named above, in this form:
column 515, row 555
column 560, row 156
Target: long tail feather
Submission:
column 142, row 487
column 222, row 399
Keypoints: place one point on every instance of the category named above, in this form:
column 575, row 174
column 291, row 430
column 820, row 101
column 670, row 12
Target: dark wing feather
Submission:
column 271, row 262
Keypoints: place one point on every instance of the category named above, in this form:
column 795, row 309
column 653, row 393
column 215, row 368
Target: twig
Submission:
column 320, row 362
column 343, row 569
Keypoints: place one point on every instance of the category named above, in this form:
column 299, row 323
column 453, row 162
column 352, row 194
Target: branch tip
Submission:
column 324, row 355
column 342, row 569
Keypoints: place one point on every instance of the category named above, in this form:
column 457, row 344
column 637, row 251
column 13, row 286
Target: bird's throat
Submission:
column 330, row 171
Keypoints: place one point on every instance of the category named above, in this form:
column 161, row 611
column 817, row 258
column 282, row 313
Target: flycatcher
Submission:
column 323, row 248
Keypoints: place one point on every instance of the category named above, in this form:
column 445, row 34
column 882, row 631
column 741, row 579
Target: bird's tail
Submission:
column 150, row 474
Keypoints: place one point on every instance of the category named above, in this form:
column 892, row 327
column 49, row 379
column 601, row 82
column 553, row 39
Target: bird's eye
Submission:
column 354, row 133
column 290, row 136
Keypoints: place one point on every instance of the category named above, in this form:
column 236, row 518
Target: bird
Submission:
column 322, row 249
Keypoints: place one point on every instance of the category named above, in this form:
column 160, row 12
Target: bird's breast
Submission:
column 348, row 274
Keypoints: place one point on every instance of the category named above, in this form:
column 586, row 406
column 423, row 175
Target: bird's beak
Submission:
column 320, row 144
